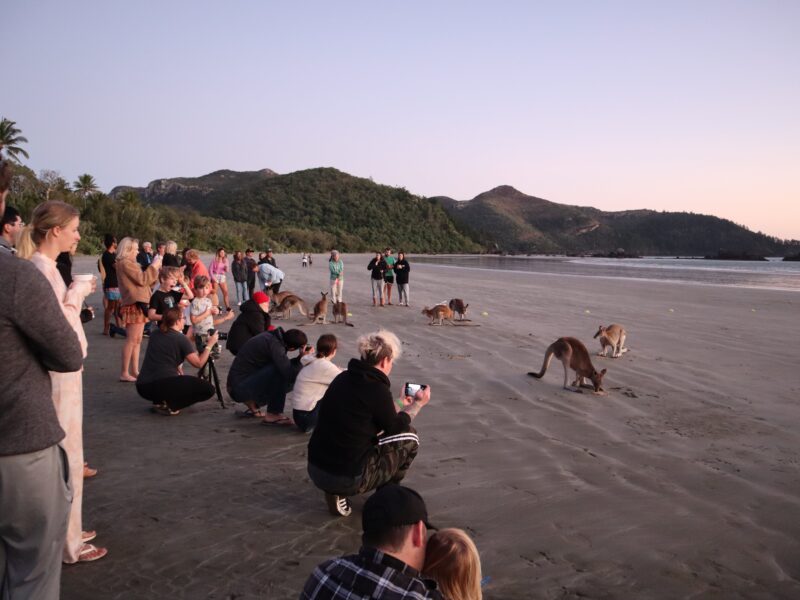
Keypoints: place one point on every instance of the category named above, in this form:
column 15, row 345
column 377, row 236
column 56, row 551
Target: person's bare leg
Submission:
column 130, row 369
column 225, row 298
column 138, row 334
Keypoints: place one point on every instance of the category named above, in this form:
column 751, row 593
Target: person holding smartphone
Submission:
column 364, row 440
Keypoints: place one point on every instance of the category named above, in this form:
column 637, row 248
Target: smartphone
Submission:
column 411, row 389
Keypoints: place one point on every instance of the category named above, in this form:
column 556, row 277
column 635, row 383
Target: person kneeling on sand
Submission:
column 362, row 441
column 312, row 383
column 253, row 319
column 262, row 373
column 395, row 526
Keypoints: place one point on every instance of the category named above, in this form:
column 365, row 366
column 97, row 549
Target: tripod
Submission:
column 209, row 372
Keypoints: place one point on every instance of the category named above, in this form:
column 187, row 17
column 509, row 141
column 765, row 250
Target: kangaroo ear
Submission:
column 466, row 306
column 603, row 372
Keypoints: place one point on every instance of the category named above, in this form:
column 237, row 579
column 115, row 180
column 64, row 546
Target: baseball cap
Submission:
column 393, row 506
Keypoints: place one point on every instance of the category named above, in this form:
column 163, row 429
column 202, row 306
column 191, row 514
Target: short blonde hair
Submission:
column 125, row 247
column 171, row 248
column 374, row 347
column 452, row 559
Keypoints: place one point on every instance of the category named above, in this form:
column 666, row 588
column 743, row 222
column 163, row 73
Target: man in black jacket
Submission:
column 253, row 319
column 262, row 372
column 364, row 440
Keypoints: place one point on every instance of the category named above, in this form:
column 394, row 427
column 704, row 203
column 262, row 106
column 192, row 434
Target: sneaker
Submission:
column 339, row 506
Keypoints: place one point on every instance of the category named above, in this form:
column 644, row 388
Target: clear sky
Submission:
column 673, row 105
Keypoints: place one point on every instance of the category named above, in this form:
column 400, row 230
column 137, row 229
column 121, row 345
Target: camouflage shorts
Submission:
column 389, row 460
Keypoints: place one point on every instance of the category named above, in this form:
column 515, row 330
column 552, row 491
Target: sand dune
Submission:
column 684, row 482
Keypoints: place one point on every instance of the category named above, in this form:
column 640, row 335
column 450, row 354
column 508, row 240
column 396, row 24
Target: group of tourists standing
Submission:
column 386, row 272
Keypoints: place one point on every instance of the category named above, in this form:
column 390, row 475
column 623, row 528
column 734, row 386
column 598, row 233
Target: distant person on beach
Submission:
column 452, row 560
column 262, row 373
column 134, row 286
column 270, row 258
column 312, row 382
column 336, row 268
column 53, row 231
column 10, row 230
column 377, row 267
column 239, row 273
column 388, row 276
column 218, row 270
column 252, row 268
column 111, row 293
column 35, row 495
column 145, row 255
column 162, row 380
column 364, row 440
column 171, row 255
column 304, row 260
column 253, row 319
column 387, row 567
column 401, row 272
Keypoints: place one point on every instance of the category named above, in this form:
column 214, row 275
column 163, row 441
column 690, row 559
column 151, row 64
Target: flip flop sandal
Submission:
column 250, row 413
column 90, row 553
column 88, row 472
column 282, row 422
column 88, row 536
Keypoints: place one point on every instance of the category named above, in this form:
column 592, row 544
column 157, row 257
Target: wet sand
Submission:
column 683, row 482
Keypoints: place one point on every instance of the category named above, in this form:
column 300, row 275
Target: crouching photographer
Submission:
column 161, row 379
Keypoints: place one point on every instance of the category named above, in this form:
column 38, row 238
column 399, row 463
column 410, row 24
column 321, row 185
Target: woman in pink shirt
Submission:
column 218, row 269
column 53, row 230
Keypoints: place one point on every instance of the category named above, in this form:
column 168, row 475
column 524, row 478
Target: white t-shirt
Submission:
column 312, row 382
column 199, row 306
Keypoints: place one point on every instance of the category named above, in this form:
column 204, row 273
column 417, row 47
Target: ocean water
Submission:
column 773, row 274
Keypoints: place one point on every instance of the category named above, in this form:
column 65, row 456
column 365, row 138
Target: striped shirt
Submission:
column 368, row 574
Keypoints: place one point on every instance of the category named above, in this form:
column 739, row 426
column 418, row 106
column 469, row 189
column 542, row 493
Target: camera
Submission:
column 411, row 389
column 222, row 335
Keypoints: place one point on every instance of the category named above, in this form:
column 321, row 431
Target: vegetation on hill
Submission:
column 506, row 220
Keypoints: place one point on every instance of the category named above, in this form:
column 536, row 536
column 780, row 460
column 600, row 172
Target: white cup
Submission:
column 83, row 277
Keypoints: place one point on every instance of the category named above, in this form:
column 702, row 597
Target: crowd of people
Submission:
column 361, row 438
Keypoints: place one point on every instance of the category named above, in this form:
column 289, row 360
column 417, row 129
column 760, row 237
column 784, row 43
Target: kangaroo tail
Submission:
column 548, row 356
column 301, row 306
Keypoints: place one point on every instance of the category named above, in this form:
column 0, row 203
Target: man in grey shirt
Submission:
column 35, row 492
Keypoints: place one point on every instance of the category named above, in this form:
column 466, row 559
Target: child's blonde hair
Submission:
column 452, row 559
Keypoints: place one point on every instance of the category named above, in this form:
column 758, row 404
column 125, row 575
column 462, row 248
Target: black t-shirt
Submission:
column 161, row 300
column 165, row 352
column 109, row 261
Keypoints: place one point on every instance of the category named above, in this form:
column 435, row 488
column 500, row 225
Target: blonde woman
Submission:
column 452, row 559
column 53, row 230
column 134, row 285
column 218, row 270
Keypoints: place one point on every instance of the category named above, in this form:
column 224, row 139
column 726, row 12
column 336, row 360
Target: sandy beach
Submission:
column 683, row 482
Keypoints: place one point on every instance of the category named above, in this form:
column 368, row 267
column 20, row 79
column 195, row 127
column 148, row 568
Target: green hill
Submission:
column 506, row 220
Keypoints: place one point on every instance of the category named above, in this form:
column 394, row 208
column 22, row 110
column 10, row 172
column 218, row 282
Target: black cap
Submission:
column 393, row 506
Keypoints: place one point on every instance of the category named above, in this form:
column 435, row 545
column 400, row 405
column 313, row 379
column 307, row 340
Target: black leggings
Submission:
column 176, row 392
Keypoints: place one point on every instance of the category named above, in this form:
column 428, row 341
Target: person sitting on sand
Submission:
column 262, row 373
column 362, row 440
column 387, row 567
column 253, row 319
column 313, row 382
column 161, row 379
column 452, row 560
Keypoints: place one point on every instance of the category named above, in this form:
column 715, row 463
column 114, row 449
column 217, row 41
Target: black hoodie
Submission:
column 250, row 322
column 357, row 406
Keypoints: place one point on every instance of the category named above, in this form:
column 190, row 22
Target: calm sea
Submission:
column 773, row 274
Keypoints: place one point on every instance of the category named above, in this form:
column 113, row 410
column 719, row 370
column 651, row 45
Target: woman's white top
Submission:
column 312, row 382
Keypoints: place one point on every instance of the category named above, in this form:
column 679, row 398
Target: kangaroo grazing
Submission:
column 340, row 312
column 457, row 306
column 612, row 337
column 440, row 313
column 320, row 310
column 573, row 355
column 288, row 303
column 278, row 298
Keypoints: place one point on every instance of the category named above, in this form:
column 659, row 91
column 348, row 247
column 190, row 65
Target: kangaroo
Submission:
column 573, row 355
column 288, row 303
column 320, row 310
column 440, row 313
column 612, row 337
column 340, row 312
column 457, row 306
column 278, row 298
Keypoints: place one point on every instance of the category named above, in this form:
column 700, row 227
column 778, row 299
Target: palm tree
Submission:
column 85, row 185
column 10, row 138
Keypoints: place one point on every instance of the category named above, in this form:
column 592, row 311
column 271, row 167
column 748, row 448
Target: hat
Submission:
column 269, row 249
column 393, row 506
column 249, row 250
column 261, row 298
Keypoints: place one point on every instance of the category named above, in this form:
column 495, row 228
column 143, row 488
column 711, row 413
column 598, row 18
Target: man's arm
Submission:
column 48, row 333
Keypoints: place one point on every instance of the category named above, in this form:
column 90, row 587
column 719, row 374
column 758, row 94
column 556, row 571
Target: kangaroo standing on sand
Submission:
column 612, row 337
column 340, row 312
column 320, row 310
column 457, row 306
column 573, row 355
column 440, row 313
column 288, row 303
